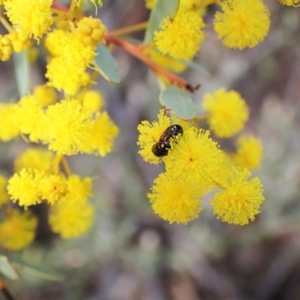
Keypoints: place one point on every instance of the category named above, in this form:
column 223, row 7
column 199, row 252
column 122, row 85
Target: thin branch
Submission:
column 130, row 29
column 137, row 52
column 5, row 292
column 6, row 24
column 66, row 166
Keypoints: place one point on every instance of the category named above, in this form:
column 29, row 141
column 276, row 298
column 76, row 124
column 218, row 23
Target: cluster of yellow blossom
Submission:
column 75, row 124
column 239, row 24
column 30, row 19
column 68, row 127
column 71, row 53
column 37, row 180
column 17, row 230
column 71, row 50
column 195, row 165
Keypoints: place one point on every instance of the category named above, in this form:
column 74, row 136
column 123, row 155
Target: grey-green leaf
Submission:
column 6, row 268
column 178, row 102
column 39, row 271
column 22, row 72
column 196, row 66
column 162, row 9
column 106, row 64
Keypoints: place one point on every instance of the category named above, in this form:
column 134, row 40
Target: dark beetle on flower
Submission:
column 161, row 148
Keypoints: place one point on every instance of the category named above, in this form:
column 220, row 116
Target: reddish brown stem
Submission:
column 5, row 292
column 59, row 7
column 136, row 51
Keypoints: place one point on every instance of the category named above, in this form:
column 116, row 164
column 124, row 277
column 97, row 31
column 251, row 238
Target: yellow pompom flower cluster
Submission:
column 72, row 52
column 36, row 158
column 240, row 199
column 249, row 152
column 181, row 36
column 66, row 127
column 242, row 23
column 195, row 166
column 33, row 16
column 91, row 31
column 66, row 71
column 17, row 231
column 228, row 112
column 71, row 220
column 174, row 200
column 23, row 187
column 92, row 101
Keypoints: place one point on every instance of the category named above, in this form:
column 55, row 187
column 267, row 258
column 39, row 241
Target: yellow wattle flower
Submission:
column 17, row 231
column 66, row 70
column 23, row 187
column 249, row 152
column 68, row 126
column 70, row 219
column 92, row 101
column 228, row 112
column 196, row 158
column 240, row 200
column 242, row 23
column 176, row 200
column 34, row 158
column 181, row 36
column 33, row 16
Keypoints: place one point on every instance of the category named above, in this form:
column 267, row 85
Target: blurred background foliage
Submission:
column 131, row 254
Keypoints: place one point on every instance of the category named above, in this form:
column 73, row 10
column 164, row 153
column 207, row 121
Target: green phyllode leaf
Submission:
column 178, row 102
column 38, row 271
column 6, row 268
column 22, row 72
column 161, row 10
column 196, row 66
column 106, row 65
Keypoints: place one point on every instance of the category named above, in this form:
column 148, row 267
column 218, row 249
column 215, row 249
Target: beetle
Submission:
column 161, row 148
